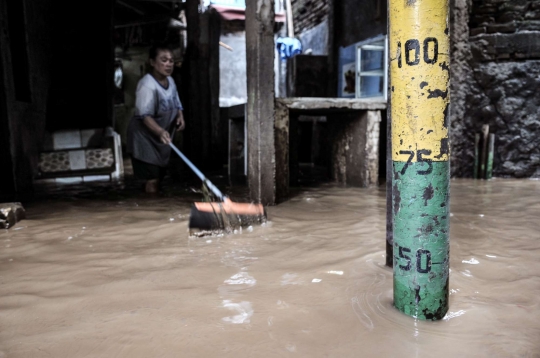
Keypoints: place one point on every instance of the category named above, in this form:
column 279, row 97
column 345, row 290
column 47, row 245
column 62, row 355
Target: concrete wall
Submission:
column 233, row 80
column 316, row 39
column 494, row 80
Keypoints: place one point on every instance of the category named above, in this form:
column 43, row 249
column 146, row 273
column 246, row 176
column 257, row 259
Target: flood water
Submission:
column 117, row 276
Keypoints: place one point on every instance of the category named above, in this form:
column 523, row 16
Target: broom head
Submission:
column 215, row 218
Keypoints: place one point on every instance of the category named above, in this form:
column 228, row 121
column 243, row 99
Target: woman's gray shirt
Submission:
column 160, row 103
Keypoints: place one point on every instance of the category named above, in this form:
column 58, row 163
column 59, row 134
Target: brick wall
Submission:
column 308, row 13
column 505, row 30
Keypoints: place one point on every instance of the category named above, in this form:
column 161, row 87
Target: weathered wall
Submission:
column 134, row 68
column 316, row 39
column 309, row 13
column 233, row 81
column 358, row 20
column 495, row 80
column 25, row 109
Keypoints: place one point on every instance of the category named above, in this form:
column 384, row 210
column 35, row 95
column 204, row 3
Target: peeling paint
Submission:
column 437, row 93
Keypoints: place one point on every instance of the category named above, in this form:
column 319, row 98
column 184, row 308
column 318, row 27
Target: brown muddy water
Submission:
column 117, row 276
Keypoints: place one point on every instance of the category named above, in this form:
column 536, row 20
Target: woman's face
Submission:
column 164, row 63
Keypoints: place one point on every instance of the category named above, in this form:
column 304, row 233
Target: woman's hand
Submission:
column 165, row 137
column 162, row 134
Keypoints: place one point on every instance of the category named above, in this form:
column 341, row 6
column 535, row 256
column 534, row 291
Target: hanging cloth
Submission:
column 288, row 47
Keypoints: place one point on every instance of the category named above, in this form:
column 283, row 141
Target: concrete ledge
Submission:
column 332, row 104
column 352, row 136
column 10, row 214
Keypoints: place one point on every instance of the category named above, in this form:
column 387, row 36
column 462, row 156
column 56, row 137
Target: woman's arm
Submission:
column 159, row 132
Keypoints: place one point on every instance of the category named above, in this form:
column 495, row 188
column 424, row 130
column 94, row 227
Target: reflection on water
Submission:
column 117, row 276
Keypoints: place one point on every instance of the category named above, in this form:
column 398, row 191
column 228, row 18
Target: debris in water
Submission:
column 335, row 272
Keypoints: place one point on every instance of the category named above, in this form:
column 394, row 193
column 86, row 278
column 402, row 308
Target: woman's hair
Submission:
column 156, row 48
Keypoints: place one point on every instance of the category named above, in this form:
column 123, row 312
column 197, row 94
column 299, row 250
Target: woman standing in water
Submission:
column 157, row 108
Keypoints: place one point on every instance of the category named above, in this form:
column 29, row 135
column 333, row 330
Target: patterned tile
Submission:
column 99, row 158
column 54, row 162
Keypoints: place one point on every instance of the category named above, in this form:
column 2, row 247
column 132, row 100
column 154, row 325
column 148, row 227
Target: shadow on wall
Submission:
column 134, row 67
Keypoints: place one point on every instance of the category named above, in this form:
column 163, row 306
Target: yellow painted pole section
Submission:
column 419, row 50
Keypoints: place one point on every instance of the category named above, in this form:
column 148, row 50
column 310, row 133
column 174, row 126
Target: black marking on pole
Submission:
column 421, row 159
column 445, row 148
column 444, row 66
column 412, row 45
column 437, row 93
column 428, row 194
column 425, row 229
column 430, row 131
column 399, row 62
column 397, row 197
column 419, row 254
column 435, row 50
column 423, row 84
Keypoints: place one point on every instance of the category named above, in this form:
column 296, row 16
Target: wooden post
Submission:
column 476, row 155
column 485, row 136
column 260, row 107
column 290, row 22
column 491, row 149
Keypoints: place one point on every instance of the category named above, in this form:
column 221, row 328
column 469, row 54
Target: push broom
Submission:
column 213, row 218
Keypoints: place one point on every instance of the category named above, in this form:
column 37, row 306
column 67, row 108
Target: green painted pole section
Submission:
column 421, row 241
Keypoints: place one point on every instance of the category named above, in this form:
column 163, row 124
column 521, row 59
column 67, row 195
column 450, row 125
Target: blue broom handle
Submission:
column 198, row 172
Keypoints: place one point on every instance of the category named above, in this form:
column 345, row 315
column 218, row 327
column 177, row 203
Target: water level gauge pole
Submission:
column 419, row 70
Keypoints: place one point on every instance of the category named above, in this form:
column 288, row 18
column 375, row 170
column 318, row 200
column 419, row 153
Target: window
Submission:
column 363, row 69
column 371, row 68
